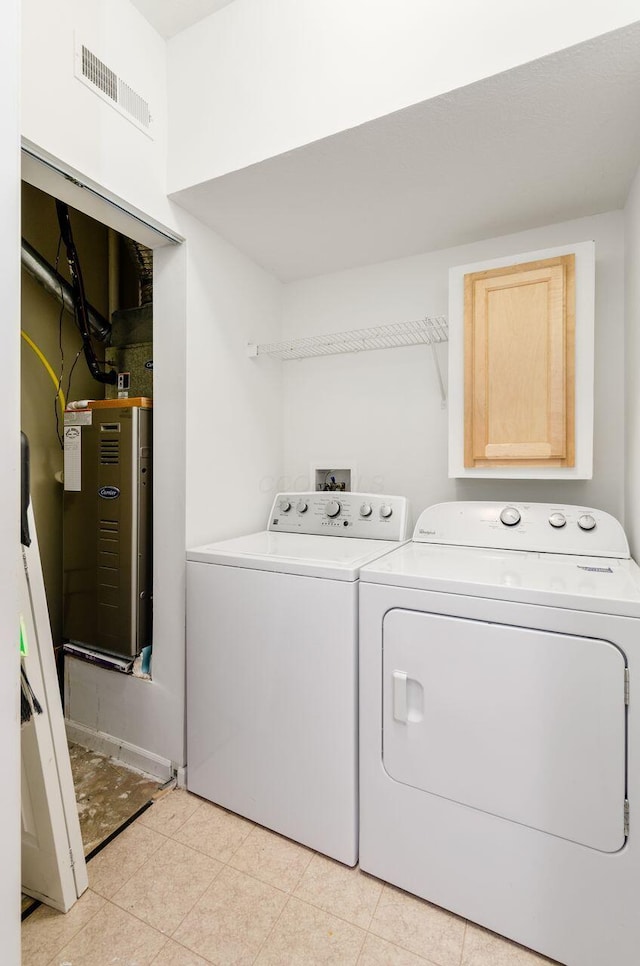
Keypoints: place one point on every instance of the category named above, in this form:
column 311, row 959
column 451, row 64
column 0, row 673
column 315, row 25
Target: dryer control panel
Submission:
column 543, row 527
column 336, row 514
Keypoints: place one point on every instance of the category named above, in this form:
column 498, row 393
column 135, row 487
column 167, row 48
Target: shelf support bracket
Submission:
column 443, row 391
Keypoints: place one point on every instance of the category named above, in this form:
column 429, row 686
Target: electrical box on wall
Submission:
column 333, row 479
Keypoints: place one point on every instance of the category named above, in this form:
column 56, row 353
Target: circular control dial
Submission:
column 586, row 522
column 285, row 506
column 302, row 507
column 557, row 520
column 385, row 511
column 332, row 508
column 365, row 510
column 510, row 516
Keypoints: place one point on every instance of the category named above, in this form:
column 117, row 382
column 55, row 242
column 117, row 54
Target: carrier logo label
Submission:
column 109, row 492
column 149, row 364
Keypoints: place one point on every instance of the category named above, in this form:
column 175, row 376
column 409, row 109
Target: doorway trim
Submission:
column 55, row 177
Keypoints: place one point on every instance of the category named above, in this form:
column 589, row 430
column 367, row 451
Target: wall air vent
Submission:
column 102, row 80
column 99, row 74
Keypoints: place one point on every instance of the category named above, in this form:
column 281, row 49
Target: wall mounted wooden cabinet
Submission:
column 521, row 365
column 519, row 360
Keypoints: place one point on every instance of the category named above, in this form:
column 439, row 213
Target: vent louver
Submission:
column 113, row 89
column 111, row 526
column 99, row 74
column 133, row 103
column 109, row 452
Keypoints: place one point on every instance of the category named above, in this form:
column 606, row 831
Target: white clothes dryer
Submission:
column 272, row 664
column 499, row 746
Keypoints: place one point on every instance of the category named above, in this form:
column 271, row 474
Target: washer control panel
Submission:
column 543, row 527
column 337, row 514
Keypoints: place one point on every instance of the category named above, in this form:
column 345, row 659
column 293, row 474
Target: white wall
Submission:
column 632, row 358
column 271, row 75
column 9, row 444
column 62, row 116
column 234, row 403
column 381, row 409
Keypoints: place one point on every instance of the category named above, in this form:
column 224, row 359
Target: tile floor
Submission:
column 188, row 884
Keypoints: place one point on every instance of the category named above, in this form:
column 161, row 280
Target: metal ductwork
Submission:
column 143, row 259
column 53, row 283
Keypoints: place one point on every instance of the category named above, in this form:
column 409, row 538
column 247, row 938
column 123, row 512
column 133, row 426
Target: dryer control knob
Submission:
column 557, row 520
column 510, row 516
column 285, row 506
column 365, row 510
column 332, row 508
column 586, row 522
column 385, row 511
column 302, row 507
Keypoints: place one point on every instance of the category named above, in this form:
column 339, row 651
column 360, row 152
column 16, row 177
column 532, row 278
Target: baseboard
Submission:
column 130, row 755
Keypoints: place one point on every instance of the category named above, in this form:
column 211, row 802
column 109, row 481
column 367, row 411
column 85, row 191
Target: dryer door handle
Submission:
column 400, row 709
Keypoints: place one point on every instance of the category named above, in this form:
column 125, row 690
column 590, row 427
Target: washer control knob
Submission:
column 285, row 506
column 365, row 510
column 510, row 516
column 385, row 511
column 557, row 520
column 586, row 522
column 301, row 506
column 332, row 508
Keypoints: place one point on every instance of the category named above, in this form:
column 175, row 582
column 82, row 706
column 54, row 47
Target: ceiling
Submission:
column 550, row 141
column 169, row 17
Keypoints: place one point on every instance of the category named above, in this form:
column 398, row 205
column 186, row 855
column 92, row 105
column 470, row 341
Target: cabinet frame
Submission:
column 558, row 448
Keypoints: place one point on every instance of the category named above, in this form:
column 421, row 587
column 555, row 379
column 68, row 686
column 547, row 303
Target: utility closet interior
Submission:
column 118, row 281
column 86, row 406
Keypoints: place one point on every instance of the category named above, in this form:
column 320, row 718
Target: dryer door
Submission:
column 528, row 725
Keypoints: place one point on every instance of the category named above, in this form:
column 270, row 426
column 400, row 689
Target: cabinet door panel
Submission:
column 519, row 345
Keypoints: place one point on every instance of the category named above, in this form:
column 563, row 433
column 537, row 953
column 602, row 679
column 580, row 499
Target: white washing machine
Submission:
column 272, row 665
column 499, row 749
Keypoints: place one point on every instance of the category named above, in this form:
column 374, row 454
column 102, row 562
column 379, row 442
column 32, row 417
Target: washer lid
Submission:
column 295, row 553
column 603, row 584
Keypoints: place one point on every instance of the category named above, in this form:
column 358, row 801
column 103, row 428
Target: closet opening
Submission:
column 87, row 410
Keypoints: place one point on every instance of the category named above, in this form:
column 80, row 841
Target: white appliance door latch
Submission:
column 400, row 710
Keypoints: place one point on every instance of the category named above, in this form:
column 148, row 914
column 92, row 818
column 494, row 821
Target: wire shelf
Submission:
column 427, row 331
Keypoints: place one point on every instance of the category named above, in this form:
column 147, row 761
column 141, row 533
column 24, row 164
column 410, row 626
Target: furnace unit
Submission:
column 107, row 526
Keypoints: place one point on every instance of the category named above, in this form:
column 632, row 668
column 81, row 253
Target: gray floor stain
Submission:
column 107, row 794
